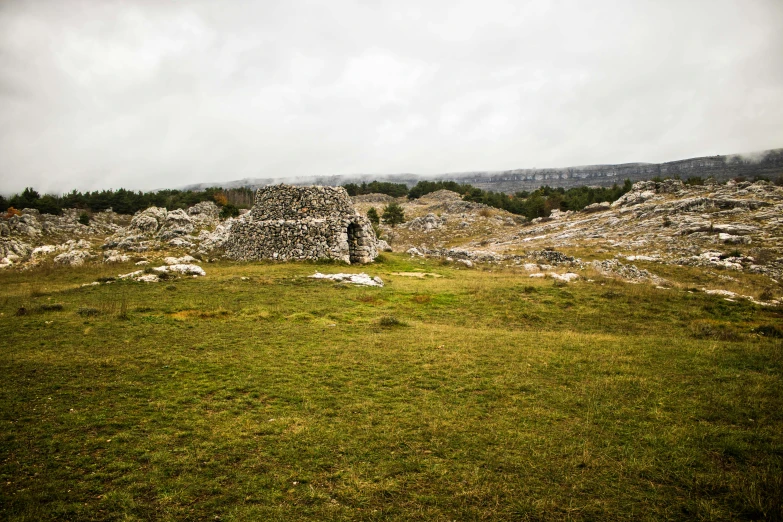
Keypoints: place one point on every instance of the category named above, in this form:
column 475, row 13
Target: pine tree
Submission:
column 393, row 214
column 372, row 215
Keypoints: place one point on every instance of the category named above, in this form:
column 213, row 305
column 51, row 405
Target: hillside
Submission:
column 767, row 163
column 720, row 230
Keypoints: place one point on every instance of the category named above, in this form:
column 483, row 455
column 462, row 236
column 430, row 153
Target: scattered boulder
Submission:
column 205, row 213
column 148, row 221
column 424, row 224
column 115, row 256
column 178, row 220
column 597, row 207
column 182, row 268
column 566, row 278
column 73, row 257
column 356, row 279
column 627, row 272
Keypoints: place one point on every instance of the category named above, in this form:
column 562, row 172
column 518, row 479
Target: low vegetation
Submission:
column 538, row 203
column 256, row 393
column 125, row 201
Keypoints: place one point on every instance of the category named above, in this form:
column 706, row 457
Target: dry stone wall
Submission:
column 297, row 223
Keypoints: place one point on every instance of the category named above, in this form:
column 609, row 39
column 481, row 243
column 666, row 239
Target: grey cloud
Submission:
column 145, row 94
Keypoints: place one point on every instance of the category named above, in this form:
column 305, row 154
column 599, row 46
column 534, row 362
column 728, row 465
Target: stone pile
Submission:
column 298, row 223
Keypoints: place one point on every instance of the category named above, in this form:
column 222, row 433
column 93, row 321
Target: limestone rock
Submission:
column 73, row 257
column 147, row 221
column 357, row 279
column 205, row 213
column 184, row 268
column 178, row 220
column 425, row 223
column 597, row 207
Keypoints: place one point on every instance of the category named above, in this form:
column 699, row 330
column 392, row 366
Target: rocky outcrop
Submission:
column 154, row 227
column 425, row 223
column 204, row 214
column 297, row 223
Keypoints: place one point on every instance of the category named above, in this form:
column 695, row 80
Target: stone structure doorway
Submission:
column 353, row 243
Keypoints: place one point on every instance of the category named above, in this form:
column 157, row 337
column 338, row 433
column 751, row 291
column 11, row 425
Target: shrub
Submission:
column 769, row 330
column 372, row 215
column 220, row 199
column 228, row 211
column 87, row 311
column 393, row 214
column 84, row 218
column 166, row 276
column 713, row 330
column 391, row 322
column 51, row 307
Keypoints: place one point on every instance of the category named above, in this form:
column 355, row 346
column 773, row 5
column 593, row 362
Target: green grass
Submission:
column 479, row 395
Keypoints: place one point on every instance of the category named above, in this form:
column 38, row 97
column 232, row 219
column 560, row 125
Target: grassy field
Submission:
column 256, row 393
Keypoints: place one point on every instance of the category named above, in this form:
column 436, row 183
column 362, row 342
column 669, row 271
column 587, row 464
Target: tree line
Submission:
column 538, row 203
column 125, row 201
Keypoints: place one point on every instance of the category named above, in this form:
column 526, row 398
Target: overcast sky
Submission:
column 153, row 94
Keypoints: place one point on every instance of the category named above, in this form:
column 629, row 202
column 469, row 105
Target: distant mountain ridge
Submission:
column 767, row 163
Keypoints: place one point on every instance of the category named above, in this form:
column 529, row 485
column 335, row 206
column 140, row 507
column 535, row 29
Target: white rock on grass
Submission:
column 357, row 279
column 725, row 293
column 384, row 246
column 180, row 242
column 115, row 256
column 180, row 260
column 43, row 250
column 185, row 269
column 567, row 277
column 118, row 258
column 73, row 258
column 131, row 275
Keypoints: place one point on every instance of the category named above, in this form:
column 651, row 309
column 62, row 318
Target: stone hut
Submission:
column 289, row 223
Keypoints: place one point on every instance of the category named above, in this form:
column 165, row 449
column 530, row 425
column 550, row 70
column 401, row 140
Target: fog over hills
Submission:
column 768, row 163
